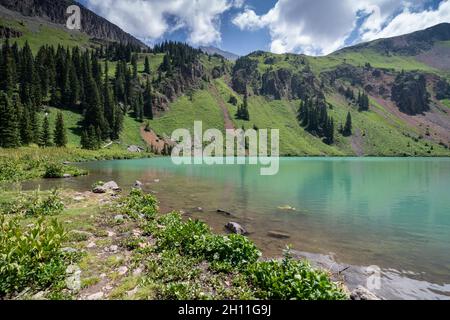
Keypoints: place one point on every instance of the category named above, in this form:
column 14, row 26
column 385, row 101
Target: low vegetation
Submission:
column 157, row 257
column 32, row 162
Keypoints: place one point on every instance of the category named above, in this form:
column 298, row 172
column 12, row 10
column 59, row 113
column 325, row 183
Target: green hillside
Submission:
column 37, row 33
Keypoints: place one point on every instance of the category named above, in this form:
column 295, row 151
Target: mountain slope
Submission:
column 213, row 50
column 54, row 11
column 406, row 88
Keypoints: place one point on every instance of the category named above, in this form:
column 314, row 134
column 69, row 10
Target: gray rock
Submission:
column 226, row 213
column 73, row 281
column 119, row 218
column 278, row 235
column 96, row 296
column 99, row 189
column 69, row 250
column 122, row 271
column 135, row 149
column 361, row 293
column 138, row 185
column 236, row 228
column 111, row 185
column 66, row 175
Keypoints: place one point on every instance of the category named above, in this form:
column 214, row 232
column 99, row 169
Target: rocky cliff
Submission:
column 55, row 11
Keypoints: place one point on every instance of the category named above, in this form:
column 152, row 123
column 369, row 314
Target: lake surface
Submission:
column 389, row 212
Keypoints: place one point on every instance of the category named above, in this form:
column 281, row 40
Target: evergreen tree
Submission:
column 7, row 69
column 134, row 61
column 242, row 112
column 147, row 65
column 26, row 129
column 60, row 135
column 46, row 138
column 9, row 133
column 347, row 131
column 148, row 105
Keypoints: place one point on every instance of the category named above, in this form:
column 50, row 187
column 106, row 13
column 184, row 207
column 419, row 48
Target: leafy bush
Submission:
column 195, row 238
column 30, row 257
column 235, row 250
column 292, row 280
column 54, row 170
column 138, row 203
column 172, row 233
column 10, row 170
column 35, row 205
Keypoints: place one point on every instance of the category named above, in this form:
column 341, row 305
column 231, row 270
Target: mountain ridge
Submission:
column 55, row 11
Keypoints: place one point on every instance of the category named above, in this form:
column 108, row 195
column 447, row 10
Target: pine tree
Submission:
column 242, row 112
column 347, row 131
column 46, row 138
column 7, row 69
column 60, row 135
column 148, row 104
column 26, row 129
column 134, row 61
column 9, row 133
column 147, row 65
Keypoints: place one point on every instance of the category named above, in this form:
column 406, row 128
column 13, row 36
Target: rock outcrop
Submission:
column 6, row 32
column 410, row 94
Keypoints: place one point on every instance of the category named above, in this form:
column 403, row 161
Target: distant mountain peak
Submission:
column 213, row 50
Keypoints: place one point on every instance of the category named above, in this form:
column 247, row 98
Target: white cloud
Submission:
column 323, row 26
column 152, row 19
column 409, row 21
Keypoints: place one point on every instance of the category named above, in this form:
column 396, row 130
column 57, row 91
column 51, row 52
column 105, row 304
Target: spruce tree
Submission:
column 147, row 66
column 7, row 69
column 9, row 133
column 60, row 135
column 347, row 131
column 148, row 104
column 46, row 138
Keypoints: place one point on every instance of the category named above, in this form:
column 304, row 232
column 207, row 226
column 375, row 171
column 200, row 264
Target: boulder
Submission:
column 111, row 185
column 99, row 189
column 66, row 176
column 236, row 228
column 138, row 185
column 135, row 149
column 361, row 293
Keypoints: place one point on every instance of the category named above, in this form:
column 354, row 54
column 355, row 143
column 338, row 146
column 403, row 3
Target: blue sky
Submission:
column 314, row 27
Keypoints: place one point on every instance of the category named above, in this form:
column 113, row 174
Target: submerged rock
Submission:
column 236, row 228
column 278, row 235
column 224, row 212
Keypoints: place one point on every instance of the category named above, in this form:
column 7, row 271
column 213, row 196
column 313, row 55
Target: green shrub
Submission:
column 292, row 280
column 35, row 205
column 30, row 257
column 54, row 170
column 172, row 233
column 137, row 203
column 235, row 250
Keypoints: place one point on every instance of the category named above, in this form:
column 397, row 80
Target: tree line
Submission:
column 71, row 79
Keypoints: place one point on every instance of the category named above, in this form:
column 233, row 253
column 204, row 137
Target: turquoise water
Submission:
column 389, row 212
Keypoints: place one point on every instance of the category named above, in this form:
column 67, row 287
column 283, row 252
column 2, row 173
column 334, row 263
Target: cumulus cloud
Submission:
column 323, row 26
column 152, row 19
column 408, row 21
